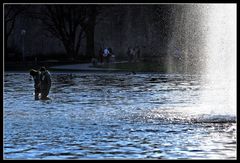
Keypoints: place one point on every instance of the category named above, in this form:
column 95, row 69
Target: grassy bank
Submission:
column 136, row 67
column 142, row 66
column 20, row 66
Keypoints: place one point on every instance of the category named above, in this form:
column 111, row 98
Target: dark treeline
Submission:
column 164, row 33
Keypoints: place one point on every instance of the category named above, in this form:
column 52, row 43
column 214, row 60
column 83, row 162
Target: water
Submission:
column 221, row 53
column 115, row 116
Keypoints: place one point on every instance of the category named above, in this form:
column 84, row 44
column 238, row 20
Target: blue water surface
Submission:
column 112, row 116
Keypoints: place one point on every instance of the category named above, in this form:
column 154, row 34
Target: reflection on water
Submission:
column 101, row 116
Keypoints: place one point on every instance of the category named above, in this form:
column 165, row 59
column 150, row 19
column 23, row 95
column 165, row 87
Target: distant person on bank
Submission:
column 106, row 55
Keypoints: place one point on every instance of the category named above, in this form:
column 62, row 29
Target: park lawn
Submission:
column 136, row 67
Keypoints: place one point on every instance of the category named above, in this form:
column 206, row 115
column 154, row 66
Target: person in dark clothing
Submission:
column 100, row 54
column 45, row 78
column 36, row 76
column 110, row 51
column 130, row 54
column 138, row 53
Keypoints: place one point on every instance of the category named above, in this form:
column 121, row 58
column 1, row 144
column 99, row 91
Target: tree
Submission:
column 63, row 23
column 11, row 12
column 70, row 24
column 90, row 29
column 93, row 18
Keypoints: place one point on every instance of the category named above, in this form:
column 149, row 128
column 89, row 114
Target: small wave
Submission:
column 177, row 116
column 216, row 119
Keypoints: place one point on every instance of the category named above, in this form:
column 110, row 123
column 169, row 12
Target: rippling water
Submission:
column 113, row 116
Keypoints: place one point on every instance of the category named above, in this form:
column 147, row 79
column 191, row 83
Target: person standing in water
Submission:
column 36, row 77
column 45, row 79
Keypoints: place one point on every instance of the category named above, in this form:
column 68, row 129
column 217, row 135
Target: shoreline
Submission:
column 108, row 72
column 73, row 67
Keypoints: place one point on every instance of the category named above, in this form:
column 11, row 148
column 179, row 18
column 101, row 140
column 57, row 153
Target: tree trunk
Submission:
column 90, row 52
column 6, row 37
column 69, row 50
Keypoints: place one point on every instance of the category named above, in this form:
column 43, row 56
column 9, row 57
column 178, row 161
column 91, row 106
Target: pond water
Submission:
column 114, row 116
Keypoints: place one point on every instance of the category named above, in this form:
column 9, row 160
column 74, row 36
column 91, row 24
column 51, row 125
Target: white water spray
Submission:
column 220, row 73
column 211, row 35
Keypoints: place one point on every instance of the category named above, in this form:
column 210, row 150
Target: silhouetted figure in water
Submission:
column 36, row 76
column 45, row 83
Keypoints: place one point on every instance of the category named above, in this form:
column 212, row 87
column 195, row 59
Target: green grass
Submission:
column 137, row 66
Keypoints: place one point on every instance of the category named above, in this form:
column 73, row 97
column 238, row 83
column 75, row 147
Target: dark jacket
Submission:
column 45, row 80
column 37, row 81
column 36, row 77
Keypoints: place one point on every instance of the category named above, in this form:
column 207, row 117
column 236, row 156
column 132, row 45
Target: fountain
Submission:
column 220, row 50
column 203, row 38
